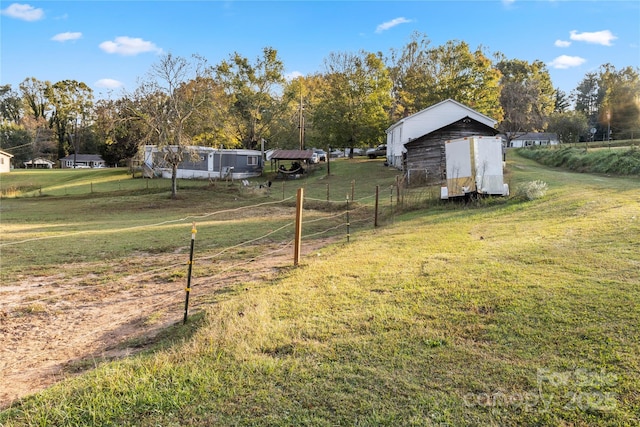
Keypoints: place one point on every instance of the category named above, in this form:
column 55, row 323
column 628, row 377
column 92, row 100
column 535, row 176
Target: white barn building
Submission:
column 426, row 121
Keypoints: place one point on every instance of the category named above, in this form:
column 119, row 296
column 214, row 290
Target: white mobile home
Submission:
column 207, row 162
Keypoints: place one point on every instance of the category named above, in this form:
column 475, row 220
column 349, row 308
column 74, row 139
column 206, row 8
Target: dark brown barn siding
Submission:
column 425, row 159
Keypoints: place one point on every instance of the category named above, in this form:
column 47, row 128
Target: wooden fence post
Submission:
column 375, row 214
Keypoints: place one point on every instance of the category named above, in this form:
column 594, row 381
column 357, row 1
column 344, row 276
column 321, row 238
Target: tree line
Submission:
column 243, row 103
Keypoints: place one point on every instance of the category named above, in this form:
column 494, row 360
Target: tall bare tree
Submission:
column 164, row 105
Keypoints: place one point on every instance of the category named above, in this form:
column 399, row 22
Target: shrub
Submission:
column 531, row 190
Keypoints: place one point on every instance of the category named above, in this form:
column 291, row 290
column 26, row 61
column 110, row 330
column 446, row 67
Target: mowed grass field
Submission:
column 502, row 312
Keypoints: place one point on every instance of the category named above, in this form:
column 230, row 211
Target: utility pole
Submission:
column 301, row 120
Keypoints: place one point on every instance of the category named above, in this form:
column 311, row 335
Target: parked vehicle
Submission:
column 356, row 152
column 379, row 151
column 315, row 158
column 322, row 155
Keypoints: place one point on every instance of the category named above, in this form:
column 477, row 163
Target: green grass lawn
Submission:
column 502, row 312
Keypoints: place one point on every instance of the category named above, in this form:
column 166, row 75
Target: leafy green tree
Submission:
column 562, row 102
column 36, row 110
column 34, row 93
column 208, row 125
column 527, row 97
column 620, row 108
column 465, row 76
column 71, row 103
column 10, row 105
column 120, row 132
column 355, row 100
column 569, row 125
column 253, row 92
column 588, row 97
column 424, row 75
column 295, row 128
column 15, row 139
column 610, row 99
column 408, row 75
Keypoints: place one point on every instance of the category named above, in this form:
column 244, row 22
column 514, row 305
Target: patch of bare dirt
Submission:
column 53, row 327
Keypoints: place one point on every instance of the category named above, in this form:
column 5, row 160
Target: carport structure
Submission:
column 302, row 156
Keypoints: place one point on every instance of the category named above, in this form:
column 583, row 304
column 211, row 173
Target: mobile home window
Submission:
column 252, row 160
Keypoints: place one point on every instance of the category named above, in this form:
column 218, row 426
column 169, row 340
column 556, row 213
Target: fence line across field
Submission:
column 173, row 295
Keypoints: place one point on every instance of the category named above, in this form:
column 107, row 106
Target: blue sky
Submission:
column 110, row 44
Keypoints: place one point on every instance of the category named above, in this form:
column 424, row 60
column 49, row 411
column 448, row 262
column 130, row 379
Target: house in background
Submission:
column 416, row 144
column 5, row 161
column 82, row 161
column 205, row 162
column 534, row 138
column 39, row 163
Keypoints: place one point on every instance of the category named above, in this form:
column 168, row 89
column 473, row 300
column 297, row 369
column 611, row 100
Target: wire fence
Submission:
column 334, row 219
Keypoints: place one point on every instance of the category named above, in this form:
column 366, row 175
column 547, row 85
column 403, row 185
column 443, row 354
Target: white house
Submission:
column 82, row 161
column 426, row 121
column 534, row 138
column 5, row 161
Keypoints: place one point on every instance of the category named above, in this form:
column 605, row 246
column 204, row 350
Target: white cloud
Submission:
column 390, row 24
column 565, row 61
column 129, row 46
column 25, row 12
column 63, row 37
column 597, row 37
column 562, row 43
column 508, row 2
column 293, row 75
column 109, row 83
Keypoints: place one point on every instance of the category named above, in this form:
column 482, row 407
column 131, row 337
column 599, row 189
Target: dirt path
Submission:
column 54, row 327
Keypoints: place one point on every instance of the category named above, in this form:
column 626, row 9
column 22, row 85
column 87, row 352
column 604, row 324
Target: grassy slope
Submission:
column 518, row 313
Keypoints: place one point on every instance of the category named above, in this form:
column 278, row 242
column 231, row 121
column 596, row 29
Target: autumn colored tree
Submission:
column 619, row 112
column 423, row 76
column 71, row 105
column 527, row 96
column 253, row 92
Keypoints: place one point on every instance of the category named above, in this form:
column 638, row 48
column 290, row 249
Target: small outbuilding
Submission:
column 39, row 163
column 5, row 161
column 425, row 159
column 445, row 115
